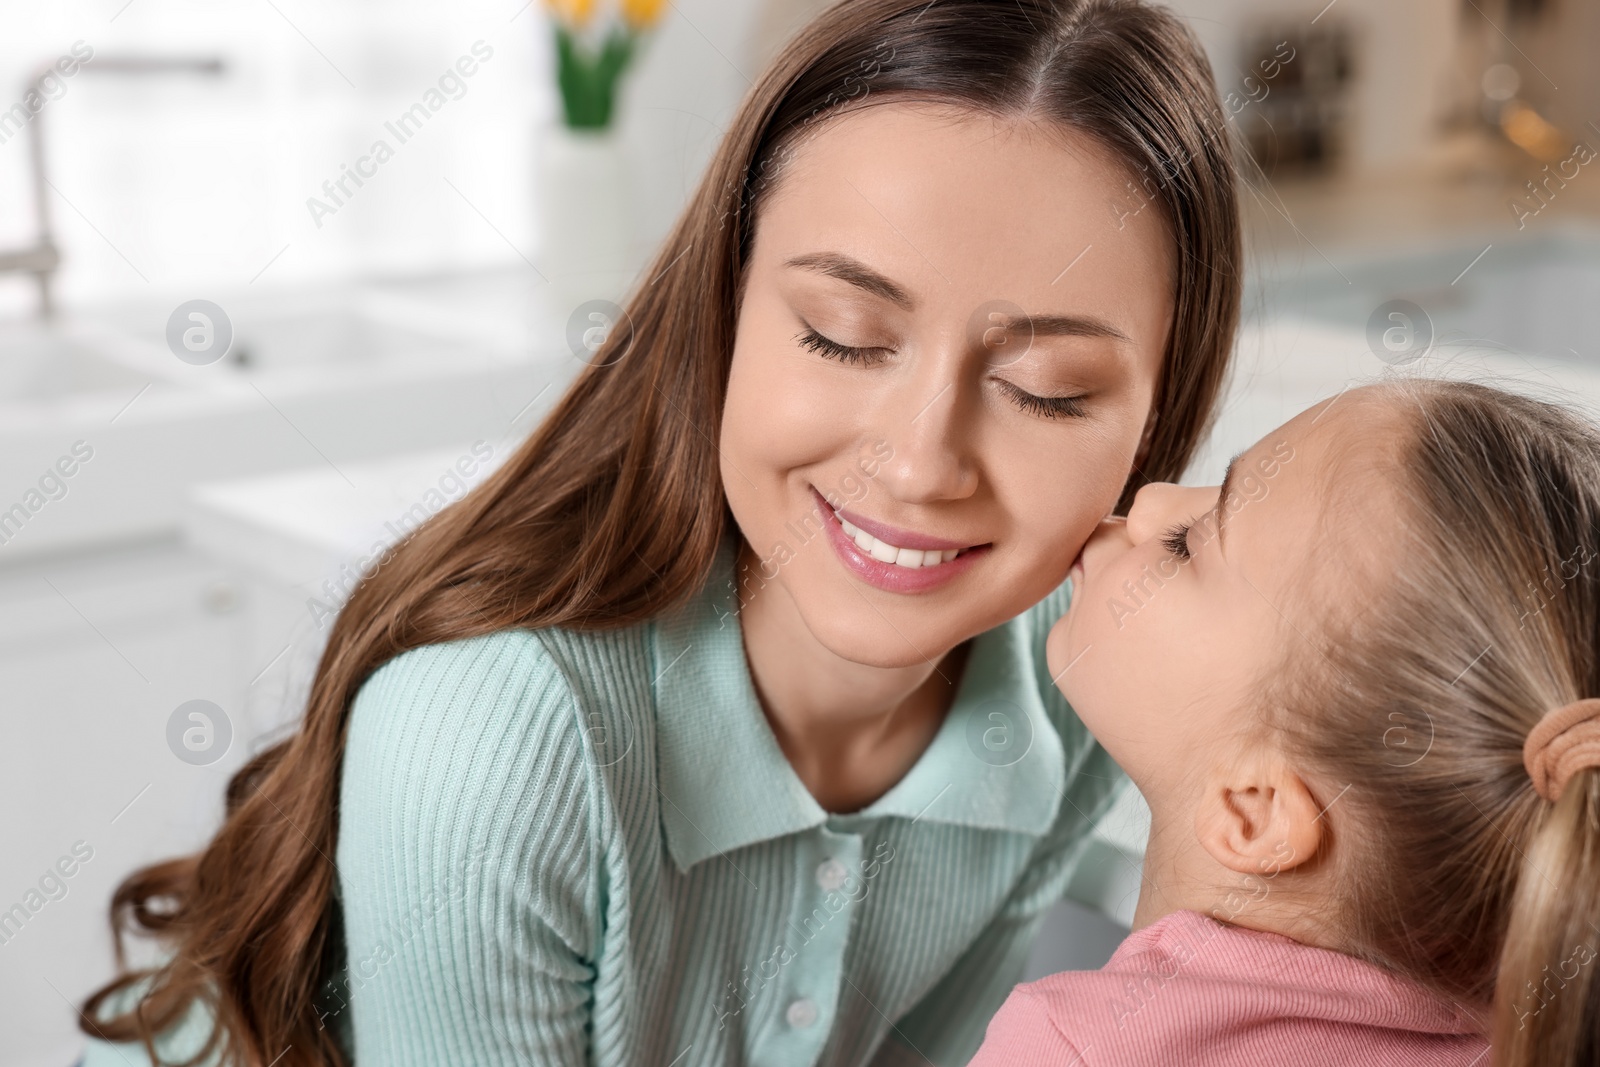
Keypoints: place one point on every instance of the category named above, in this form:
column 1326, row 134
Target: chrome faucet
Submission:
column 43, row 258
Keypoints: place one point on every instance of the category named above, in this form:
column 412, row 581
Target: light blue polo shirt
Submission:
column 562, row 848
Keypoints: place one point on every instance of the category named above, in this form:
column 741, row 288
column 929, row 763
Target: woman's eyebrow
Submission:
column 1067, row 326
column 852, row 270
column 857, row 273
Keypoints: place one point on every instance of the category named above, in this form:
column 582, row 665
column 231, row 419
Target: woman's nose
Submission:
column 933, row 455
column 1159, row 505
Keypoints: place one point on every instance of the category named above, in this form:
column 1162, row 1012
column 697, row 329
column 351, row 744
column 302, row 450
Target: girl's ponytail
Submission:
column 1547, row 1000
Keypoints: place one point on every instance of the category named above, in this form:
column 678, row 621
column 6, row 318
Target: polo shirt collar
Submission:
column 997, row 762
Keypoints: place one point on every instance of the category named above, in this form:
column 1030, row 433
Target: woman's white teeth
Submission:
column 884, row 552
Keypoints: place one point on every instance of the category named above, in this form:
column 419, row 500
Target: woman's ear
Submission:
column 1259, row 820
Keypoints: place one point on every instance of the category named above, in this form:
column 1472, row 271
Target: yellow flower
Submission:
column 573, row 13
column 642, row 14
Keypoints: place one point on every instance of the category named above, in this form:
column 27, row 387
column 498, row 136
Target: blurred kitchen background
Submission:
column 198, row 483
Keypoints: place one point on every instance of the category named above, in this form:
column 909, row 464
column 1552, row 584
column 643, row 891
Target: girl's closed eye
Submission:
column 1176, row 539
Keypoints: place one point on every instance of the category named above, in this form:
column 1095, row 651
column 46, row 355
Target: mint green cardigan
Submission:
column 561, row 848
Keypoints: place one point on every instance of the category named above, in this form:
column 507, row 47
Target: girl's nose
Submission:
column 1159, row 505
column 1110, row 537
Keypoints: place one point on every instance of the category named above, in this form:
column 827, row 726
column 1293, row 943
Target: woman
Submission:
column 640, row 753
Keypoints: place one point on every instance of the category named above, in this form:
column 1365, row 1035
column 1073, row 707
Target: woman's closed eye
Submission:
column 1049, row 407
column 831, row 349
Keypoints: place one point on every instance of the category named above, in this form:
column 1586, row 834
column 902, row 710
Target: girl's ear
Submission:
column 1260, row 820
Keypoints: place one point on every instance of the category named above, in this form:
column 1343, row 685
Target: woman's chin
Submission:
column 880, row 640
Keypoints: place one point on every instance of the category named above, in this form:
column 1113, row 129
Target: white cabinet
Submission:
column 96, row 652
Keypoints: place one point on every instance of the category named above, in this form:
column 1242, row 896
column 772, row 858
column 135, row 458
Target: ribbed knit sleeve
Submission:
column 1032, row 1036
column 466, row 860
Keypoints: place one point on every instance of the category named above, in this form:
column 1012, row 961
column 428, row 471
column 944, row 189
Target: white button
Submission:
column 802, row 1013
column 831, row 875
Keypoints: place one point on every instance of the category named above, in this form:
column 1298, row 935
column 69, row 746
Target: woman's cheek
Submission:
column 1080, row 503
column 789, row 408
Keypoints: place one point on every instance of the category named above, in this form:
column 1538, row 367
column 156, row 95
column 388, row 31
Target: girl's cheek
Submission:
column 1055, row 643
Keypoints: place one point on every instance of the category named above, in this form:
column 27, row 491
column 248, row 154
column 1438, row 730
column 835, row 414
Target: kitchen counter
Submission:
column 1462, row 191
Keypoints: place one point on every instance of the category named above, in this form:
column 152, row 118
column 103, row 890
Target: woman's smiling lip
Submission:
column 892, row 577
column 892, row 534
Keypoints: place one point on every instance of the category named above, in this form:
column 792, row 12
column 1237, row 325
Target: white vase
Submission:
column 586, row 217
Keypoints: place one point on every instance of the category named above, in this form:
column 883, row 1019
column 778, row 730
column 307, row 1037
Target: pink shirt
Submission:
column 1193, row 991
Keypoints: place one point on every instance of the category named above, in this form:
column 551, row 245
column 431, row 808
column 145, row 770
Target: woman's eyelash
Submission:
column 834, row 350
column 1051, row 407
column 1176, row 540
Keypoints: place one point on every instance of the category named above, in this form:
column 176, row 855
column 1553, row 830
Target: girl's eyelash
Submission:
column 1051, row 407
column 834, row 350
column 1176, row 540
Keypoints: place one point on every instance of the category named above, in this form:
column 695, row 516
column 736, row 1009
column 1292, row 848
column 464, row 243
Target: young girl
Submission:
column 1357, row 687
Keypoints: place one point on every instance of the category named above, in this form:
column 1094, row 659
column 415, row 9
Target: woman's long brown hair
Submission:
column 611, row 512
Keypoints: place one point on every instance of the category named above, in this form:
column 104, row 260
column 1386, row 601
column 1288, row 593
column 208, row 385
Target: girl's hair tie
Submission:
column 1566, row 741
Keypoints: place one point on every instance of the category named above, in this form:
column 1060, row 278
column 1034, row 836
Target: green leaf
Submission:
column 588, row 80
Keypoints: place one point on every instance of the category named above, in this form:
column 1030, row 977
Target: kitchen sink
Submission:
column 322, row 338
column 51, row 364
column 321, row 379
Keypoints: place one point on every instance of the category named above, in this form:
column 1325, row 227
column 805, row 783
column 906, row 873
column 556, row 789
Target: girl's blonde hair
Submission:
column 1419, row 696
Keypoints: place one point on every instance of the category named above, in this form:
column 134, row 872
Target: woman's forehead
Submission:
column 952, row 211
